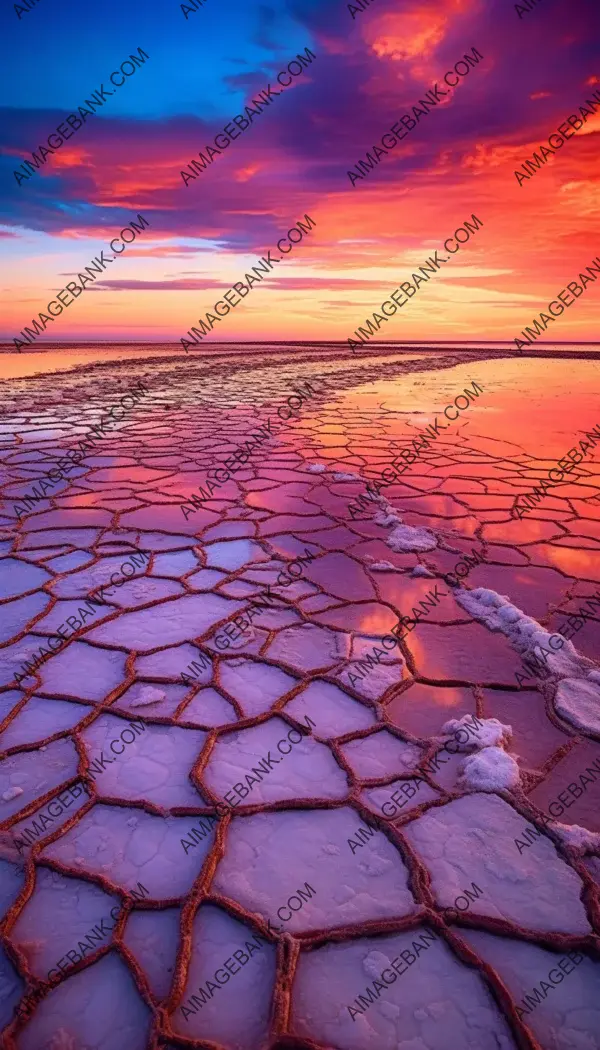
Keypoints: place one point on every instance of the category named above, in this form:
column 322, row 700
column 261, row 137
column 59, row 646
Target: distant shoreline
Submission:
column 425, row 346
column 384, row 360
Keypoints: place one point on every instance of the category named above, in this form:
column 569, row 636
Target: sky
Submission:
column 370, row 68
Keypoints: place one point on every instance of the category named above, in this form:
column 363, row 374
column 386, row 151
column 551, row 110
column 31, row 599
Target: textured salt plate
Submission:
column 12, row 880
column 472, row 839
column 307, row 770
column 376, row 683
column 109, row 841
column 173, row 662
column 565, row 1018
column 578, row 702
column 309, row 647
column 238, row 1013
column 124, row 844
column 208, row 708
column 437, row 1003
column 155, row 765
column 255, row 685
column 171, row 623
column 61, row 912
column 99, row 1007
column 30, row 774
column 331, row 709
column 380, row 755
column 40, row 719
column 80, row 584
column 270, row 855
column 153, row 938
column 83, row 671
column 398, row 802
column 145, row 590
column 18, row 577
column 17, row 614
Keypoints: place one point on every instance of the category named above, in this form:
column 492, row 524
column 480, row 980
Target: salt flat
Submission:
column 184, row 817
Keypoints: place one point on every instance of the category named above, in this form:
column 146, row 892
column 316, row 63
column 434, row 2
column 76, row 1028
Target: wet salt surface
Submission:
column 302, row 855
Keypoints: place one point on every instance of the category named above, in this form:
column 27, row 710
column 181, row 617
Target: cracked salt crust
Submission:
column 201, row 739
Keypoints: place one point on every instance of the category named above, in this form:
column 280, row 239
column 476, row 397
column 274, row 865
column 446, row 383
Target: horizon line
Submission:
column 58, row 345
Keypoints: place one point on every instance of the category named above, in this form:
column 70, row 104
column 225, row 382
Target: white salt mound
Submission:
column 579, row 839
column 491, row 734
column 577, row 698
column 316, row 468
column 490, row 770
column 405, row 538
column 524, row 633
column 11, row 793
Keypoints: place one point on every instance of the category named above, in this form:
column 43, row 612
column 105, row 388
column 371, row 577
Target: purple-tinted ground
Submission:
column 376, row 877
